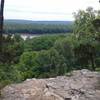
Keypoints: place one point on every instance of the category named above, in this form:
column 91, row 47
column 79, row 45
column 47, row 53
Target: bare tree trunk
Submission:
column 1, row 26
column 1, row 16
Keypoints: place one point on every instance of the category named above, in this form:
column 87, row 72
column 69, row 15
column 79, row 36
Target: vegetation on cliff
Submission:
column 50, row 56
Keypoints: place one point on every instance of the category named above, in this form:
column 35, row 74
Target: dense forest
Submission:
column 52, row 55
column 37, row 27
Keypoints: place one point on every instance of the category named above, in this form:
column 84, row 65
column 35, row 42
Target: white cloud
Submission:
column 45, row 9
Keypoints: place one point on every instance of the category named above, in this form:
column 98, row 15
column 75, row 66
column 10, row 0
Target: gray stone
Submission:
column 81, row 85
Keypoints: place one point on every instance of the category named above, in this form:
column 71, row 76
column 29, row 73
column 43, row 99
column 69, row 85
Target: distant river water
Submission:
column 24, row 36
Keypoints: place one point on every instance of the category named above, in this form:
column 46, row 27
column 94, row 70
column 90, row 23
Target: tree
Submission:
column 1, row 19
column 1, row 16
column 85, row 56
column 83, row 21
column 1, row 23
column 41, row 42
column 12, row 48
column 65, row 48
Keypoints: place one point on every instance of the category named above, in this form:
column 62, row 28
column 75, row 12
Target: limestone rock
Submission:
column 81, row 85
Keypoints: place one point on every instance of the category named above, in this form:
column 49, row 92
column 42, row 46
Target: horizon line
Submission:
column 34, row 20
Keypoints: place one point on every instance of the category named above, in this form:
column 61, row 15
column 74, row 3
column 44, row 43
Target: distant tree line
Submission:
column 37, row 28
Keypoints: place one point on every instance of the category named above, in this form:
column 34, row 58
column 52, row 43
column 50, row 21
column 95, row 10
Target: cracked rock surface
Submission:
column 80, row 85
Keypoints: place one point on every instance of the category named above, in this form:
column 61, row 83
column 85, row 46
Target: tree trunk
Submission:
column 1, row 26
column 1, row 16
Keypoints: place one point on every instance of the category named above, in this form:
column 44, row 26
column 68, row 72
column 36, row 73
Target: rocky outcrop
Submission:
column 79, row 85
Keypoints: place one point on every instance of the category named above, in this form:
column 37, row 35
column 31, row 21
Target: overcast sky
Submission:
column 45, row 9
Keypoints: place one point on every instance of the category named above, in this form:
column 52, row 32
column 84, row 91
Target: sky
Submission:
column 58, row 10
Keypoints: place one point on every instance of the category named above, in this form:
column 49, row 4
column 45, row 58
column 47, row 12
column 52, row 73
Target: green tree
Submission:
column 41, row 42
column 85, row 56
column 65, row 48
column 83, row 21
column 11, row 49
column 27, row 64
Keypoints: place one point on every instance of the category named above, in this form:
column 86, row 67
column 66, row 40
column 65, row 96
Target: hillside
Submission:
column 37, row 27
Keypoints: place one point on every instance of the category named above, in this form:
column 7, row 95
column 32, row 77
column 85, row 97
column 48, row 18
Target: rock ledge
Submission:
column 81, row 85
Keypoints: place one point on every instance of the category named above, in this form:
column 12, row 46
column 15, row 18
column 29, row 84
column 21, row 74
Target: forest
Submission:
column 37, row 27
column 52, row 55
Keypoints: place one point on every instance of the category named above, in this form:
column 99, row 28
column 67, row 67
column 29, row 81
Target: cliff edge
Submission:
column 78, row 85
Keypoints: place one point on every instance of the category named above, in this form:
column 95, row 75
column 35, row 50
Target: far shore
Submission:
column 28, row 35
